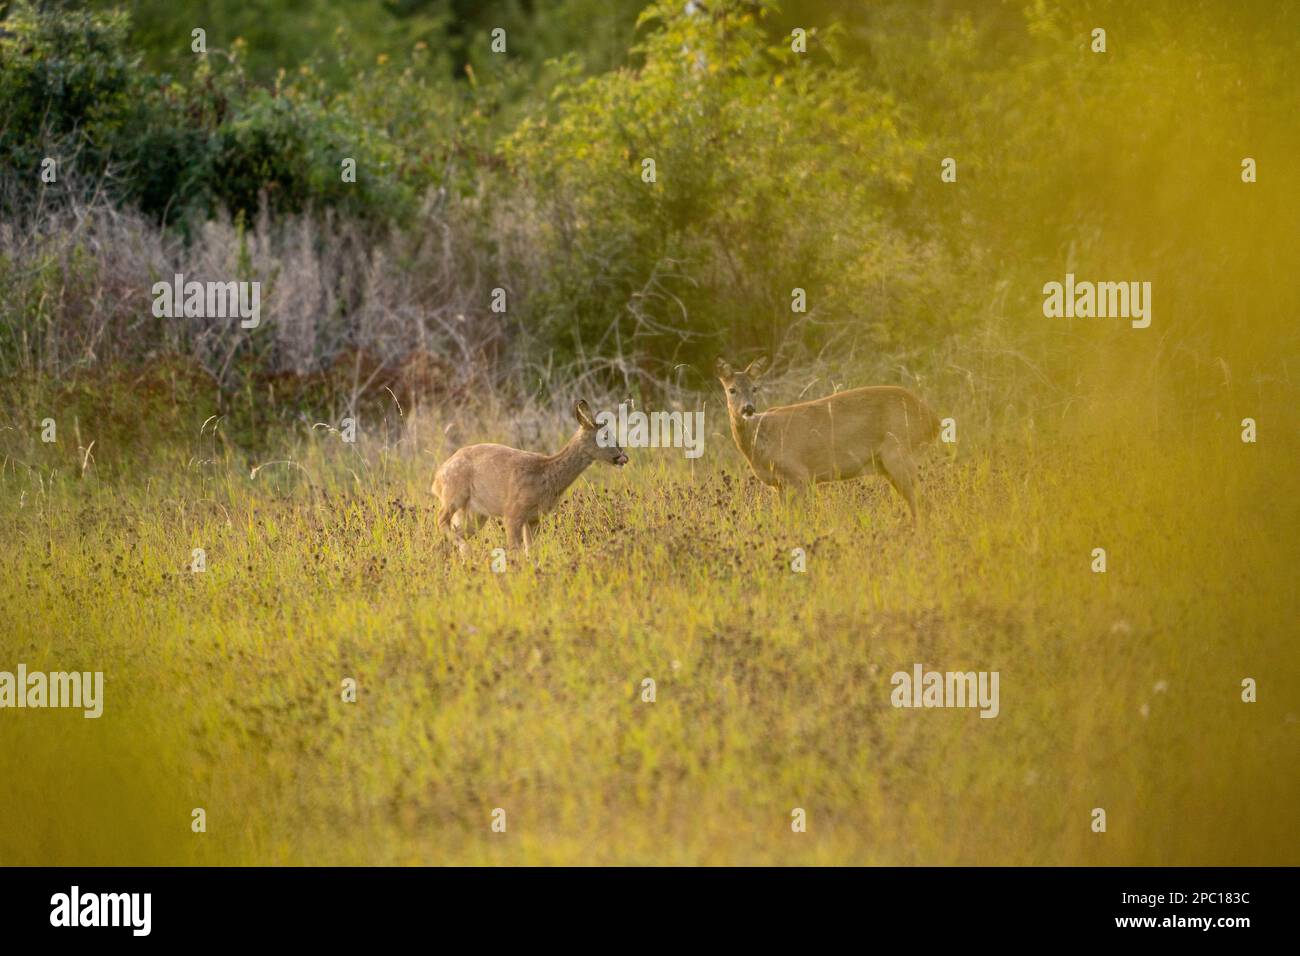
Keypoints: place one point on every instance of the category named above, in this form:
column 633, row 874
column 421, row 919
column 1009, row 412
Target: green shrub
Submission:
column 62, row 74
column 70, row 89
column 774, row 171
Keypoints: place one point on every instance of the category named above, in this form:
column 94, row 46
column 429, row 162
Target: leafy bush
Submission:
column 61, row 77
column 774, row 171
column 70, row 89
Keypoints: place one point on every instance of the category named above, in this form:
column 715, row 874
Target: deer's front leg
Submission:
column 514, row 526
column 529, row 533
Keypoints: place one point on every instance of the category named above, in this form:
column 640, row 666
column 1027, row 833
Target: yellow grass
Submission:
column 522, row 690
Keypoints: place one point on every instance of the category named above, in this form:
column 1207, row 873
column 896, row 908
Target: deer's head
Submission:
column 740, row 386
column 606, row 451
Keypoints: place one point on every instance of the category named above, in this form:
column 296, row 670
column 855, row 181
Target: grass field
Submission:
column 523, row 690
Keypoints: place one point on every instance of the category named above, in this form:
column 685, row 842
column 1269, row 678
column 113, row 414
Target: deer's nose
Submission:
column 748, row 409
column 621, row 459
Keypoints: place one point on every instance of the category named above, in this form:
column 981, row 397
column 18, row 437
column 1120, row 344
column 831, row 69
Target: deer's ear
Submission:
column 582, row 412
column 722, row 369
column 757, row 367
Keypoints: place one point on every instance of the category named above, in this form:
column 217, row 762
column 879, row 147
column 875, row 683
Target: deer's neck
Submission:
column 744, row 431
column 564, row 467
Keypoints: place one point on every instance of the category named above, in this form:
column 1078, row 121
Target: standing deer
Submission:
column 494, row 481
column 875, row 430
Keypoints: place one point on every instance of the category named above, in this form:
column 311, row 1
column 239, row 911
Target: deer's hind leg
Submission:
column 453, row 512
column 465, row 524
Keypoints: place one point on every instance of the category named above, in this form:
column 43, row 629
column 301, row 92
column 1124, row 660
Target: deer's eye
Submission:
column 731, row 391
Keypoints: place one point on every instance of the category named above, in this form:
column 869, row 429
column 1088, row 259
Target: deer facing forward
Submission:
column 876, row 430
column 494, row 481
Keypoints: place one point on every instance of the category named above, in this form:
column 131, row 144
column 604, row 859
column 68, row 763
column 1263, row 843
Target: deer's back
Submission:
column 862, row 416
column 488, row 472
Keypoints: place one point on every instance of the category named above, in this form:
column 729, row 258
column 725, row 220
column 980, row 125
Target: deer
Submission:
column 485, row 481
column 879, row 429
